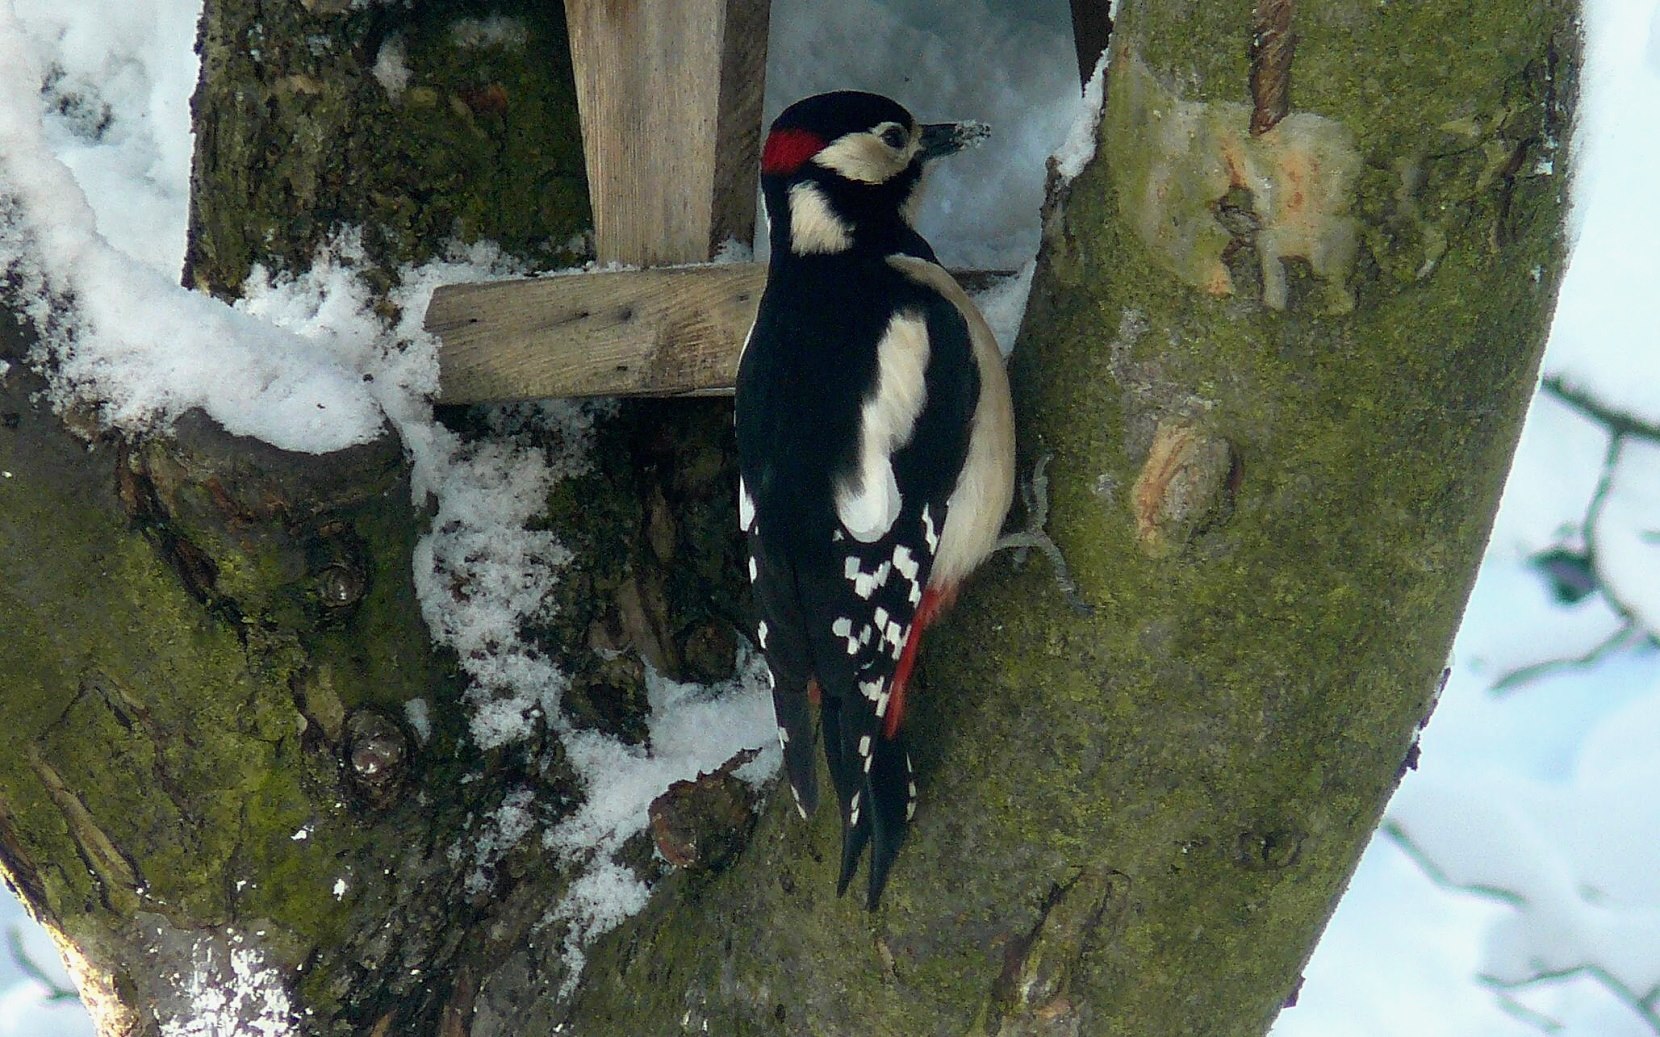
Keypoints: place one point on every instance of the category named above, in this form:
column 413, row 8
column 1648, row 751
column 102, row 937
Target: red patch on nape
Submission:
column 786, row 150
column 935, row 600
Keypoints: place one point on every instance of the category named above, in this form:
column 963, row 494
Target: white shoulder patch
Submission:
column 868, row 503
column 814, row 225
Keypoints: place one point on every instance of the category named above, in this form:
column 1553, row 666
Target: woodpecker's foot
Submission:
column 1034, row 494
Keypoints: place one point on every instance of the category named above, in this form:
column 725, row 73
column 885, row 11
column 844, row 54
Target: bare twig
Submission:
column 32, row 968
column 1627, row 636
column 1632, row 632
column 1616, row 421
column 1644, row 1004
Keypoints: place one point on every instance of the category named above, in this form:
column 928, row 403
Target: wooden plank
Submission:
column 668, row 331
column 661, row 332
column 743, row 81
column 670, row 100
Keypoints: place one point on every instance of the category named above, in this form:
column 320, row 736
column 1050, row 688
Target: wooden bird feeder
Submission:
column 669, row 95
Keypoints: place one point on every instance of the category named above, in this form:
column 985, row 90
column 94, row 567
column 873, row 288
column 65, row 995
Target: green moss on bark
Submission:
column 1253, row 695
column 179, row 671
column 418, row 125
column 134, row 719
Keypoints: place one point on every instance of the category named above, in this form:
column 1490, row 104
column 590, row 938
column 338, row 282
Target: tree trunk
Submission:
column 1280, row 342
column 1278, row 376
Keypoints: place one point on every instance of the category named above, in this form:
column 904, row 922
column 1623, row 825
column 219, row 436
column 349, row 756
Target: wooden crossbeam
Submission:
column 668, row 331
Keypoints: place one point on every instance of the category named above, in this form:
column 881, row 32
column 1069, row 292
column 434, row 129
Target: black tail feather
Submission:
column 888, row 789
column 795, row 731
column 854, row 838
column 847, row 775
column 875, row 799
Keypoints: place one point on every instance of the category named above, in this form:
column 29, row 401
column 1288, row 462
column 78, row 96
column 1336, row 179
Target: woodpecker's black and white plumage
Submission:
column 876, row 442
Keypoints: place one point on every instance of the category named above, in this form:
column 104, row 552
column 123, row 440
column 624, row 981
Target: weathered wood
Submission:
column 670, row 331
column 670, row 97
column 660, row 332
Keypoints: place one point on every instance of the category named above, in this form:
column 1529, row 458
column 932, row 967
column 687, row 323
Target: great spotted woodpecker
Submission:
column 876, row 445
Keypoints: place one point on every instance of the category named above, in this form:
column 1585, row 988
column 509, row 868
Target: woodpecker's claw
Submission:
column 1034, row 494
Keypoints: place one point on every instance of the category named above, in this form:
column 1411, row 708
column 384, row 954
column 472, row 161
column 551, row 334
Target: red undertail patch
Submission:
column 934, row 601
column 786, row 150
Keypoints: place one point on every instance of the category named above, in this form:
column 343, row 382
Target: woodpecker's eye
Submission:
column 895, row 137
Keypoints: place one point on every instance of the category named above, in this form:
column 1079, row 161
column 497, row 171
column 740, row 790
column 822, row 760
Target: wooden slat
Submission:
column 670, row 100
column 665, row 332
column 662, row 332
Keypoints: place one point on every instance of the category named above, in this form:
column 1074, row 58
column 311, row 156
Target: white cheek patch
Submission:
column 863, row 157
column 869, row 503
column 814, row 225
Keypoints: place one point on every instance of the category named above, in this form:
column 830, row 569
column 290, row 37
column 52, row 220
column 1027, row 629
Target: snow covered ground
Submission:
column 1516, row 887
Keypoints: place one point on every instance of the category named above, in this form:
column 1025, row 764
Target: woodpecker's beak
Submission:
column 947, row 138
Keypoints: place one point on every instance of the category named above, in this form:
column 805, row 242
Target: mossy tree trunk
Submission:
column 1283, row 332
column 210, row 785
column 1281, row 338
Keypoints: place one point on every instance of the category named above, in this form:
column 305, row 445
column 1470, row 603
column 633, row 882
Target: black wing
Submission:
column 834, row 608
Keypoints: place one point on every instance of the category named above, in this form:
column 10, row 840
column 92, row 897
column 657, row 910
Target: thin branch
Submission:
column 1631, row 631
column 32, row 968
column 1616, row 421
column 1627, row 636
column 1525, row 1014
column 1643, row 1005
column 1426, row 863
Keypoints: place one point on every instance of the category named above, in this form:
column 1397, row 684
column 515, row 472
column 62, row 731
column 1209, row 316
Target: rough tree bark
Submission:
column 1282, row 334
